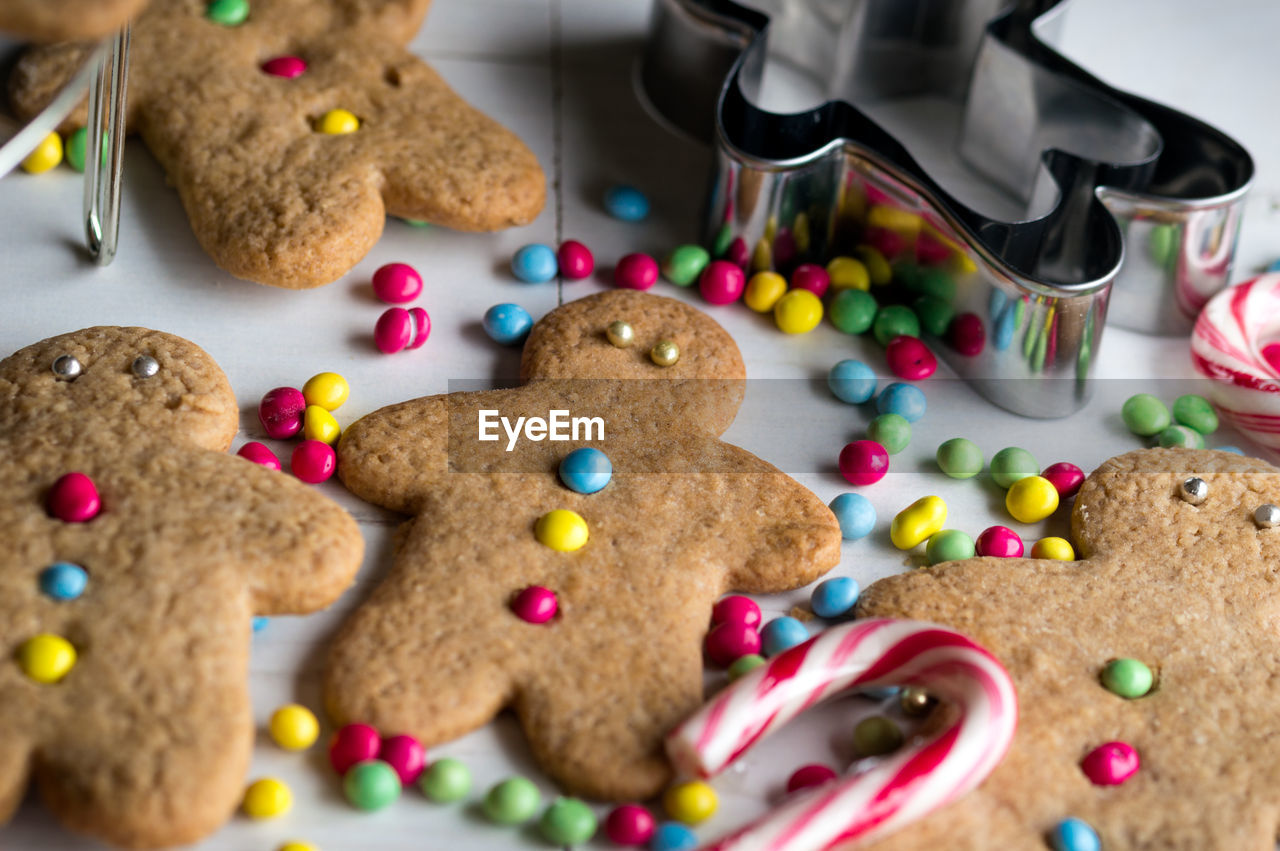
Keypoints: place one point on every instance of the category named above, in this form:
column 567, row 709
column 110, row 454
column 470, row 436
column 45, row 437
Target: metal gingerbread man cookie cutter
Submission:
column 1105, row 200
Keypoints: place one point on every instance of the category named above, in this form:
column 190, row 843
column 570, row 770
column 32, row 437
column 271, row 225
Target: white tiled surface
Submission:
column 559, row 73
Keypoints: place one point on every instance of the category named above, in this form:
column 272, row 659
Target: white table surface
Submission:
column 559, row 73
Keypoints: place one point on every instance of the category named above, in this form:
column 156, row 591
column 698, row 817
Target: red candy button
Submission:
column 74, row 499
column 1110, row 764
column 287, row 67
column 535, row 604
column 910, row 359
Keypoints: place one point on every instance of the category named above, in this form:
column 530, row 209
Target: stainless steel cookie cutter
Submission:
column 1086, row 171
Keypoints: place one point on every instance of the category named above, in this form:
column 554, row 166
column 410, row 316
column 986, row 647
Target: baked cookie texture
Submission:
column 436, row 650
column 271, row 198
column 65, row 20
column 145, row 743
column 1189, row 590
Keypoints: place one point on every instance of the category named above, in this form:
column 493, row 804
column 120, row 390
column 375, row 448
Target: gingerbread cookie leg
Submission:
column 15, row 769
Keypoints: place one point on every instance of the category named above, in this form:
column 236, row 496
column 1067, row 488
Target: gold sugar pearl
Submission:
column 915, row 701
column 664, row 353
column 620, row 334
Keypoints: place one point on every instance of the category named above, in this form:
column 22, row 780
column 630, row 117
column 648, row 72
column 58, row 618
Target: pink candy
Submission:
column 811, row 277
column 737, row 609
column 575, row 259
column 535, row 604
column 313, row 461
column 864, row 462
column 629, row 824
column 398, row 329
column 966, row 334
column 731, row 640
column 406, row 755
column 636, row 272
column 738, row 253
column 285, row 66
column 808, row 776
column 1065, row 477
column 722, row 282
column 351, row 744
column 999, row 541
column 259, row 454
column 910, row 359
column 397, row 283
column 74, row 499
column 1110, row 764
column 280, row 412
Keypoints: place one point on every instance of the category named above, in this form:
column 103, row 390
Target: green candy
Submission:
column 1195, row 412
column 1012, row 464
column 446, row 781
column 683, row 266
column 371, row 785
column 1128, row 678
column 1181, row 436
column 948, row 545
column 723, row 237
column 935, row 315
column 1145, row 415
column 513, row 801
column 77, row 147
column 876, row 736
column 959, row 458
column 416, row 223
column 853, row 310
column 892, row 431
column 744, row 665
column 895, row 320
column 935, row 283
column 229, row 13
column 567, row 821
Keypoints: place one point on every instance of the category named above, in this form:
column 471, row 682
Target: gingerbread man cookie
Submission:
column 1145, row 672
column 608, row 655
column 62, row 20
column 136, row 555
column 292, row 133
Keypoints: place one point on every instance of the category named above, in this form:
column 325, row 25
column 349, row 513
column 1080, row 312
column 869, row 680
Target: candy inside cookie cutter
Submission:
column 1082, row 171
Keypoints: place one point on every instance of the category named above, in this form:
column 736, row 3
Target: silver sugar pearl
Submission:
column 66, row 367
column 1194, row 490
column 1266, row 516
column 145, row 366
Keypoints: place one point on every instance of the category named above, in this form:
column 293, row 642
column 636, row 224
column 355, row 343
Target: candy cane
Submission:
column 896, row 790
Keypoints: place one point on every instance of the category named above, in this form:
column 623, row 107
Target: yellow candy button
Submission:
column 46, row 658
column 761, row 256
column 319, row 424
column 294, row 727
column 692, row 802
column 918, row 522
column 46, row 155
column 846, row 273
column 798, row 312
column 878, row 267
column 298, row 846
column 267, row 798
column 337, row 122
column 326, row 389
column 1054, row 548
column 562, row 530
column 1031, row 499
column 763, row 291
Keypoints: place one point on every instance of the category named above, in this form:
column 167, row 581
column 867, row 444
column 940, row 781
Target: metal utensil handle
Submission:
column 106, row 120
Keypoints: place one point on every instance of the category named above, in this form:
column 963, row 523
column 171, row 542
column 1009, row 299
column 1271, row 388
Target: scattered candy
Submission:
column 999, row 542
column 66, row 368
column 567, row 821
column 808, row 776
column 626, row 203
column 1128, row 678
column 297, row 846
column 834, row 598
column 891, row 431
column 258, row 624
column 406, row 756
column 959, row 458
column 46, row 658
column 691, row 802
column 586, row 470
column 967, row 335
column 267, row 798
column 852, row 381
column 1181, row 436
column 894, row 320
column 1072, row 834
column 910, row 359
column 848, row 273
column 286, row 67
column 371, row 785
column 1011, row 464
column 738, row 253
column 949, row 545
column 313, row 461
column 1195, row 412
column 397, row 283
column 507, row 324
column 863, row 462
column 918, row 522
column 575, row 260
column 636, row 272
column 561, row 530
column 905, row 400
column 513, row 801
column 1031, row 499
column 763, row 291
column 76, row 148
column 629, row 824
column 319, row 424
column 673, row 836
column 935, row 315
column 684, row 264
column 535, row 604
column 721, row 282
column 620, row 334
column 853, row 311
column 534, row 263
column 74, row 499
column 665, row 353
column 326, row 389
column 1052, row 547
column 398, row 329
column 915, row 701
column 782, row 634
column 46, row 155
column 280, row 412
column 855, row 514
column 63, row 581
column 1145, row 415
column 744, row 665
column 352, row 744
column 229, row 13
column 1065, row 477
column 797, row 312
column 259, row 454
column 446, row 781
column 737, row 609
column 811, row 277
column 294, row 727
column 338, row 122
column 876, row 736
column 1110, row 764
column 1234, row 450
column 729, row 641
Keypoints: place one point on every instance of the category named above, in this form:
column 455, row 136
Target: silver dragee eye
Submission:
column 1194, row 490
column 66, row 368
column 145, row 366
column 1266, row 516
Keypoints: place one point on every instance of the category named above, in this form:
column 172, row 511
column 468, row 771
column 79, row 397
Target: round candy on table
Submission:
column 507, row 324
column 1145, row 415
column 999, row 542
column 567, row 821
column 949, row 545
column 855, row 514
column 74, row 498
column 797, row 312
column 326, row 389
column 738, row 253
column 782, row 634
column 863, row 462
column 876, row 736
column 280, row 412
column 1031, row 499
column 626, row 203
column 736, row 609
column 46, row 155
column 853, row 311
column 371, row 785
column 848, row 273
column 313, row 461
column 63, row 581
column 260, row 623
column 294, row 727
column 729, row 641
column 534, row 263
column 935, row 315
column 811, row 277
column 351, row 744
column 259, row 454
column 338, row 122
column 445, row 781
column 808, row 776
column 834, row 597
column 398, row 329
column 1111, row 764
column 1053, row 547
column 1234, row 450
column 319, row 424
column 562, row 530
column 286, row 67
column 744, row 665
column 910, row 359
column 967, row 335
column 1128, row 678
column 918, row 522
column 721, row 282
column 535, row 604
column 629, row 824
column 406, row 756
column 635, row 272
column 1011, row 464
column 878, row 267
column 1065, row 477
column 684, row 264
column 852, row 381
column 905, row 400
column 513, row 801
column 959, row 458
column 266, row 798
column 673, row 836
column 1072, row 834
column 397, row 283
column 76, row 148
column 763, row 291
column 586, row 470
column 891, row 431
column 691, row 802
column 297, row 846
column 46, row 658
column 575, row 260
column 229, row 13
column 894, row 320
column 1181, row 436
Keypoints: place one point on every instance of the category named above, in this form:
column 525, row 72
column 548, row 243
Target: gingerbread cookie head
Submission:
column 1143, row 670
column 578, row 601
column 292, row 132
column 137, row 555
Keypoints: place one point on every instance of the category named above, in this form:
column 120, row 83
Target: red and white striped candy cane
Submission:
column 895, row 791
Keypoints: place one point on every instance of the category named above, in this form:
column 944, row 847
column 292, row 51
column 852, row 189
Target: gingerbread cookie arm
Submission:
column 393, row 456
